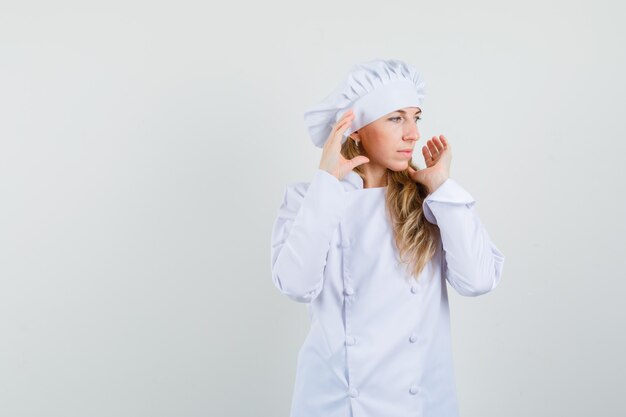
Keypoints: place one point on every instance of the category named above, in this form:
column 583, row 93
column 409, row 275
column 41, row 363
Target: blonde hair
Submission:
column 416, row 238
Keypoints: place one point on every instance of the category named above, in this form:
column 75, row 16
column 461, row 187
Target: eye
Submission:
column 397, row 118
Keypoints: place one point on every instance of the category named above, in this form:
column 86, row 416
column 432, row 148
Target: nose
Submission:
column 411, row 132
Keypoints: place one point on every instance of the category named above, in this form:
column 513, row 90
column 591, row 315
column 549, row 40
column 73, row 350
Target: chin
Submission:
column 399, row 166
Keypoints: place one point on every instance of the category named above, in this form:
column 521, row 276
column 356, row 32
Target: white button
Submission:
column 354, row 393
column 413, row 338
column 413, row 289
column 348, row 291
column 350, row 340
column 413, row 390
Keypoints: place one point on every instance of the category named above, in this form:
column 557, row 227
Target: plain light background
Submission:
column 145, row 147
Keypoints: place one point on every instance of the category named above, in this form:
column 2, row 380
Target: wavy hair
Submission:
column 415, row 238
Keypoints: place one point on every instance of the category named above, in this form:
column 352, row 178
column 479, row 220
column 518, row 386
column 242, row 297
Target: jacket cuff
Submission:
column 449, row 194
column 328, row 181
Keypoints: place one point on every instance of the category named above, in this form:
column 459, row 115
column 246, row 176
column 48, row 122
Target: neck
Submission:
column 374, row 176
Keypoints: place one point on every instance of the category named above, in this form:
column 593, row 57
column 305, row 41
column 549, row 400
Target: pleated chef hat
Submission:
column 372, row 89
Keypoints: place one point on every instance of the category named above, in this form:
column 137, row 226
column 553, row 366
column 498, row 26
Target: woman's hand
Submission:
column 332, row 159
column 438, row 155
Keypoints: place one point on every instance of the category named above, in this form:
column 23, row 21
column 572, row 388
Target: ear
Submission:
column 354, row 135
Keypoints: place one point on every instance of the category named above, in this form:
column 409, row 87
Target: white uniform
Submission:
column 379, row 342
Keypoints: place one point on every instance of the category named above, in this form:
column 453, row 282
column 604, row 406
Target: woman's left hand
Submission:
column 438, row 155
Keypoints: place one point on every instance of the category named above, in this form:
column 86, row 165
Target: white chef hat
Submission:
column 372, row 89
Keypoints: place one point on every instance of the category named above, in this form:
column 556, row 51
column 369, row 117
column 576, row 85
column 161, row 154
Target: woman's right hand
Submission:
column 332, row 159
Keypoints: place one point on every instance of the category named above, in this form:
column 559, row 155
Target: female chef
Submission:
column 369, row 245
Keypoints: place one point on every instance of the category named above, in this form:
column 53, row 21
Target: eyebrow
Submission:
column 403, row 112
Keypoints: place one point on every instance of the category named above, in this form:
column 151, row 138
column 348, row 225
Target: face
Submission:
column 383, row 139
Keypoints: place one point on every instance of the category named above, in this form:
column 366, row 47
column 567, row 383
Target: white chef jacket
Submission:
column 379, row 342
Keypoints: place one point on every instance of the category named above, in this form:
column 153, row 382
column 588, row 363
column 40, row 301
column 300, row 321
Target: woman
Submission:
column 369, row 244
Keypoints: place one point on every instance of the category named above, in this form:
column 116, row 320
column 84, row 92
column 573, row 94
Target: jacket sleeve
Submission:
column 471, row 263
column 302, row 232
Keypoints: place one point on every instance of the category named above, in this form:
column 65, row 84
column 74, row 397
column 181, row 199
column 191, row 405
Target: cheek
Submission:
column 386, row 153
column 383, row 143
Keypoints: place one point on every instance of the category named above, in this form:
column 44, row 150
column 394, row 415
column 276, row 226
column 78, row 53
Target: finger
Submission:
column 426, row 152
column 444, row 141
column 358, row 160
column 432, row 148
column 438, row 145
column 427, row 155
column 337, row 131
column 338, row 135
column 341, row 123
column 347, row 115
column 414, row 174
